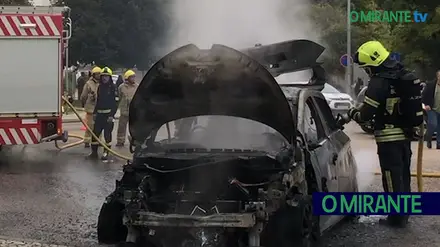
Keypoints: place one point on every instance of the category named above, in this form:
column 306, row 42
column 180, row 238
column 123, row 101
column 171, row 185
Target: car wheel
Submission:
column 294, row 226
column 111, row 229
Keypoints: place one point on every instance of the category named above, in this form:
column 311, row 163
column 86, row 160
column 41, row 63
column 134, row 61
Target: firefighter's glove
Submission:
column 341, row 120
column 354, row 114
column 110, row 119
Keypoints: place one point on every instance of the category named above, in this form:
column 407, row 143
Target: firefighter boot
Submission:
column 94, row 154
column 105, row 155
column 396, row 221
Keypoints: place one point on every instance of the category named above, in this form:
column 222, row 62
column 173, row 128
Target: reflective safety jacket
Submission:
column 380, row 103
column 126, row 92
column 88, row 95
column 106, row 99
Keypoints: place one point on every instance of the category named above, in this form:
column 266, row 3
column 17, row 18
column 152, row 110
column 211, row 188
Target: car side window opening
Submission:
column 313, row 129
column 327, row 115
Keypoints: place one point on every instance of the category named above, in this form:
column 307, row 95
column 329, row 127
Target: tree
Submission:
column 331, row 19
column 115, row 33
column 124, row 33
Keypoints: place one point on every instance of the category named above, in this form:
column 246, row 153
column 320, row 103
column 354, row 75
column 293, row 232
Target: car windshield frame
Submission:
column 330, row 89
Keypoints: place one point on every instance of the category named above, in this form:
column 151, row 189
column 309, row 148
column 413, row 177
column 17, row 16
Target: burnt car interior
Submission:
column 217, row 160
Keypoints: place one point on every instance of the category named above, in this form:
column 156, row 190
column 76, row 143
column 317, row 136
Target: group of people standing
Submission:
column 101, row 98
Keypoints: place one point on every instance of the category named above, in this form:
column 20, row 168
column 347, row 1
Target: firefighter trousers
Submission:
column 395, row 163
column 122, row 129
column 102, row 124
column 90, row 122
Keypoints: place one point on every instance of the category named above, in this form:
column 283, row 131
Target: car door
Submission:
column 344, row 166
column 320, row 147
column 323, row 155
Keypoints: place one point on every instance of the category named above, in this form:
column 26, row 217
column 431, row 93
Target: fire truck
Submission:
column 33, row 53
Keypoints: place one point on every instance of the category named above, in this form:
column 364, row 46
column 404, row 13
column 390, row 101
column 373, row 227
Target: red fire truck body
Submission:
column 33, row 51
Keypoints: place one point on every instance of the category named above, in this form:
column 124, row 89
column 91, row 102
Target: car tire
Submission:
column 294, row 226
column 111, row 229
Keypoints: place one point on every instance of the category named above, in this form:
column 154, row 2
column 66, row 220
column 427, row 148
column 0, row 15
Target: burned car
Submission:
column 225, row 157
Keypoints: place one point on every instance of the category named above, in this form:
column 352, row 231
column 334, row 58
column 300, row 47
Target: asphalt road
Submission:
column 53, row 197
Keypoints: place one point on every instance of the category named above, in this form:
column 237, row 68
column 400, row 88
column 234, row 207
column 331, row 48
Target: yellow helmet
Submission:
column 96, row 70
column 128, row 74
column 371, row 53
column 106, row 71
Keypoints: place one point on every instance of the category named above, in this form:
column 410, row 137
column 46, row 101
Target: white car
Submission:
column 339, row 102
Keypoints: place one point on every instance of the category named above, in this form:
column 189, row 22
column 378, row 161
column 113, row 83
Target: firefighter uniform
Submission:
column 104, row 112
column 88, row 98
column 393, row 141
column 125, row 92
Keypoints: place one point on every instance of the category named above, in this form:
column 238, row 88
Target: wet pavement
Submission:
column 54, row 197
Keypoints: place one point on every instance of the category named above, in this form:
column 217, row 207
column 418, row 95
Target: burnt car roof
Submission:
column 219, row 81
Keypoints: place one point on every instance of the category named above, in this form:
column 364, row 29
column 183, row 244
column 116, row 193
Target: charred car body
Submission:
column 245, row 158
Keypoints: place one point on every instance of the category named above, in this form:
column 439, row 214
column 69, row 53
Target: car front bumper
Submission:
column 339, row 106
column 244, row 220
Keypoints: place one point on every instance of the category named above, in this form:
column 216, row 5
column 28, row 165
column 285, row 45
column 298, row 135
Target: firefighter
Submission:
column 104, row 113
column 395, row 114
column 88, row 100
column 125, row 92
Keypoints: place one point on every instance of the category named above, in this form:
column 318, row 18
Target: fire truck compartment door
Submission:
column 29, row 75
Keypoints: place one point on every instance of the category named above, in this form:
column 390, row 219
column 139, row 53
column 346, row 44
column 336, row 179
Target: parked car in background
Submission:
column 339, row 102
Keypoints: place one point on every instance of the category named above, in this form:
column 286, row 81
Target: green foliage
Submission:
column 115, row 33
column 418, row 42
column 331, row 21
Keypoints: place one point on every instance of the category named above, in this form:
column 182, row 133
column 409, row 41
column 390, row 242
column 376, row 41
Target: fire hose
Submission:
column 81, row 141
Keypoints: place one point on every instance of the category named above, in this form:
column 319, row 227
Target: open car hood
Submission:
column 290, row 56
column 287, row 56
column 220, row 81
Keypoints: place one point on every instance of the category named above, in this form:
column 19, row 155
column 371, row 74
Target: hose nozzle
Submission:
column 342, row 119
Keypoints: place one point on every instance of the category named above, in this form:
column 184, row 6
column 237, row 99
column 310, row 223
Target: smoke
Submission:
column 366, row 168
column 237, row 23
